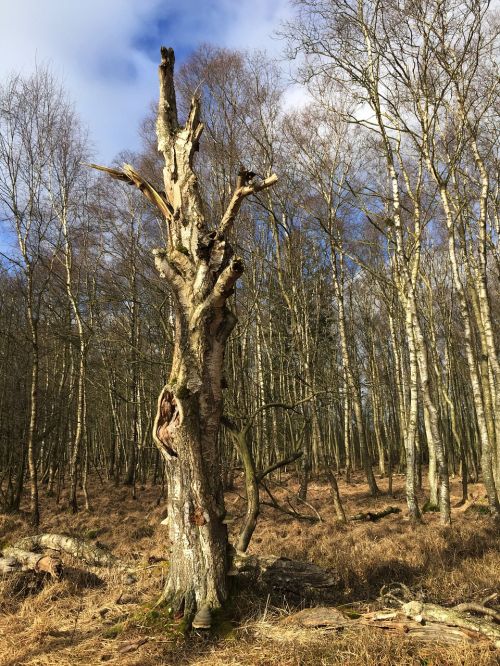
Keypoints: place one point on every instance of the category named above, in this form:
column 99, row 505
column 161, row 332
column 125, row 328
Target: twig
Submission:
column 299, row 499
column 274, row 504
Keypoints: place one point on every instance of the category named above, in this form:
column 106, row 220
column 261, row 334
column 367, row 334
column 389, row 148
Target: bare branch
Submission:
column 277, row 465
column 241, row 193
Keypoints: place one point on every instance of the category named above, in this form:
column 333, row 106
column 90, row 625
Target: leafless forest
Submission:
column 254, row 367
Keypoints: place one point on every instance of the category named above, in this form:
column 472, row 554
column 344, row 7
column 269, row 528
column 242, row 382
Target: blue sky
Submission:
column 106, row 51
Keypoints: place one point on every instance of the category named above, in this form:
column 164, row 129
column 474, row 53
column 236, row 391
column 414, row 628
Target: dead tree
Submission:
column 201, row 270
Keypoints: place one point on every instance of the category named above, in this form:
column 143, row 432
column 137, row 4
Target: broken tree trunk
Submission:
column 451, row 616
column 28, row 561
column 79, row 548
column 296, row 581
column 422, row 622
column 201, row 270
column 301, row 582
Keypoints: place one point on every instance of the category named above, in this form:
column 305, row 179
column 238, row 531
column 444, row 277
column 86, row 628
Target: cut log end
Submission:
column 51, row 565
column 16, row 558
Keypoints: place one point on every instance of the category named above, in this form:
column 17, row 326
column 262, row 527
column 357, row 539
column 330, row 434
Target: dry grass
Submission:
column 90, row 617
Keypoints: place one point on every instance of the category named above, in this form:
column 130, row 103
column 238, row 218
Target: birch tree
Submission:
column 201, row 269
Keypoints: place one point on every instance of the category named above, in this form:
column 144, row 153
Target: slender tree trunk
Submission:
column 32, row 426
column 412, row 426
column 355, row 396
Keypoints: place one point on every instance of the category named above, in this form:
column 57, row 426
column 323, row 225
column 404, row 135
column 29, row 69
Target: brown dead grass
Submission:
column 88, row 617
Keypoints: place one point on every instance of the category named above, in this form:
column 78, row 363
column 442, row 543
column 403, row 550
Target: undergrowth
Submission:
column 96, row 616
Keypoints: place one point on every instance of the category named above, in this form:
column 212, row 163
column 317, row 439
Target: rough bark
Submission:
column 293, row 580
column 201, row 270
column 79, row 548
column 14, row 558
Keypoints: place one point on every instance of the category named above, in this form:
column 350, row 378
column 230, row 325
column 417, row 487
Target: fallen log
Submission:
column 78, row 548
column 293, row 580
column 421, row 612
column 8, row 565
column 28, row 561
column 375, row 515
column 443, row 630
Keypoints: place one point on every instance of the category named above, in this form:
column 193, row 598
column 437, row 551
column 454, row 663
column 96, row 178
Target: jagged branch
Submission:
column 167, row 123
column 193, row 128
column 131, row 177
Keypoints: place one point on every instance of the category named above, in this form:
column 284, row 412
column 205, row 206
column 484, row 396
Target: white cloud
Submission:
column 89, row 45
column 253, row 23
column 105, row 52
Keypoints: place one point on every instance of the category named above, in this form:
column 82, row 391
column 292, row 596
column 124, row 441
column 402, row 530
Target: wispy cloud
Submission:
column 106, row 52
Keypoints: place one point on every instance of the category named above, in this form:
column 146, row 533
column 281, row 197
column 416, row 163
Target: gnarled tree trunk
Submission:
column 201, row 270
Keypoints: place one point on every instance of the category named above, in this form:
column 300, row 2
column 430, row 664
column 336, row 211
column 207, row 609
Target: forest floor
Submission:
column 96, row 616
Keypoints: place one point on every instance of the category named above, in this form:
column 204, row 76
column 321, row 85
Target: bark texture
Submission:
column 79, row 548
column 201, row 270
column 282, row 578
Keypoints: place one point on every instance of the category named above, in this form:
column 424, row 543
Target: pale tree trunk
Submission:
column 426, row 146
column 484, row 314
column 31, row 439
column 406, row 272
column 486, row 444
column 400, row 379
column 346, row 422
column 376, row 410
column 201, row 270
column 434, row 439
column 338, row 282
column 131, row 472
column 411, row 428
column 77, row 438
